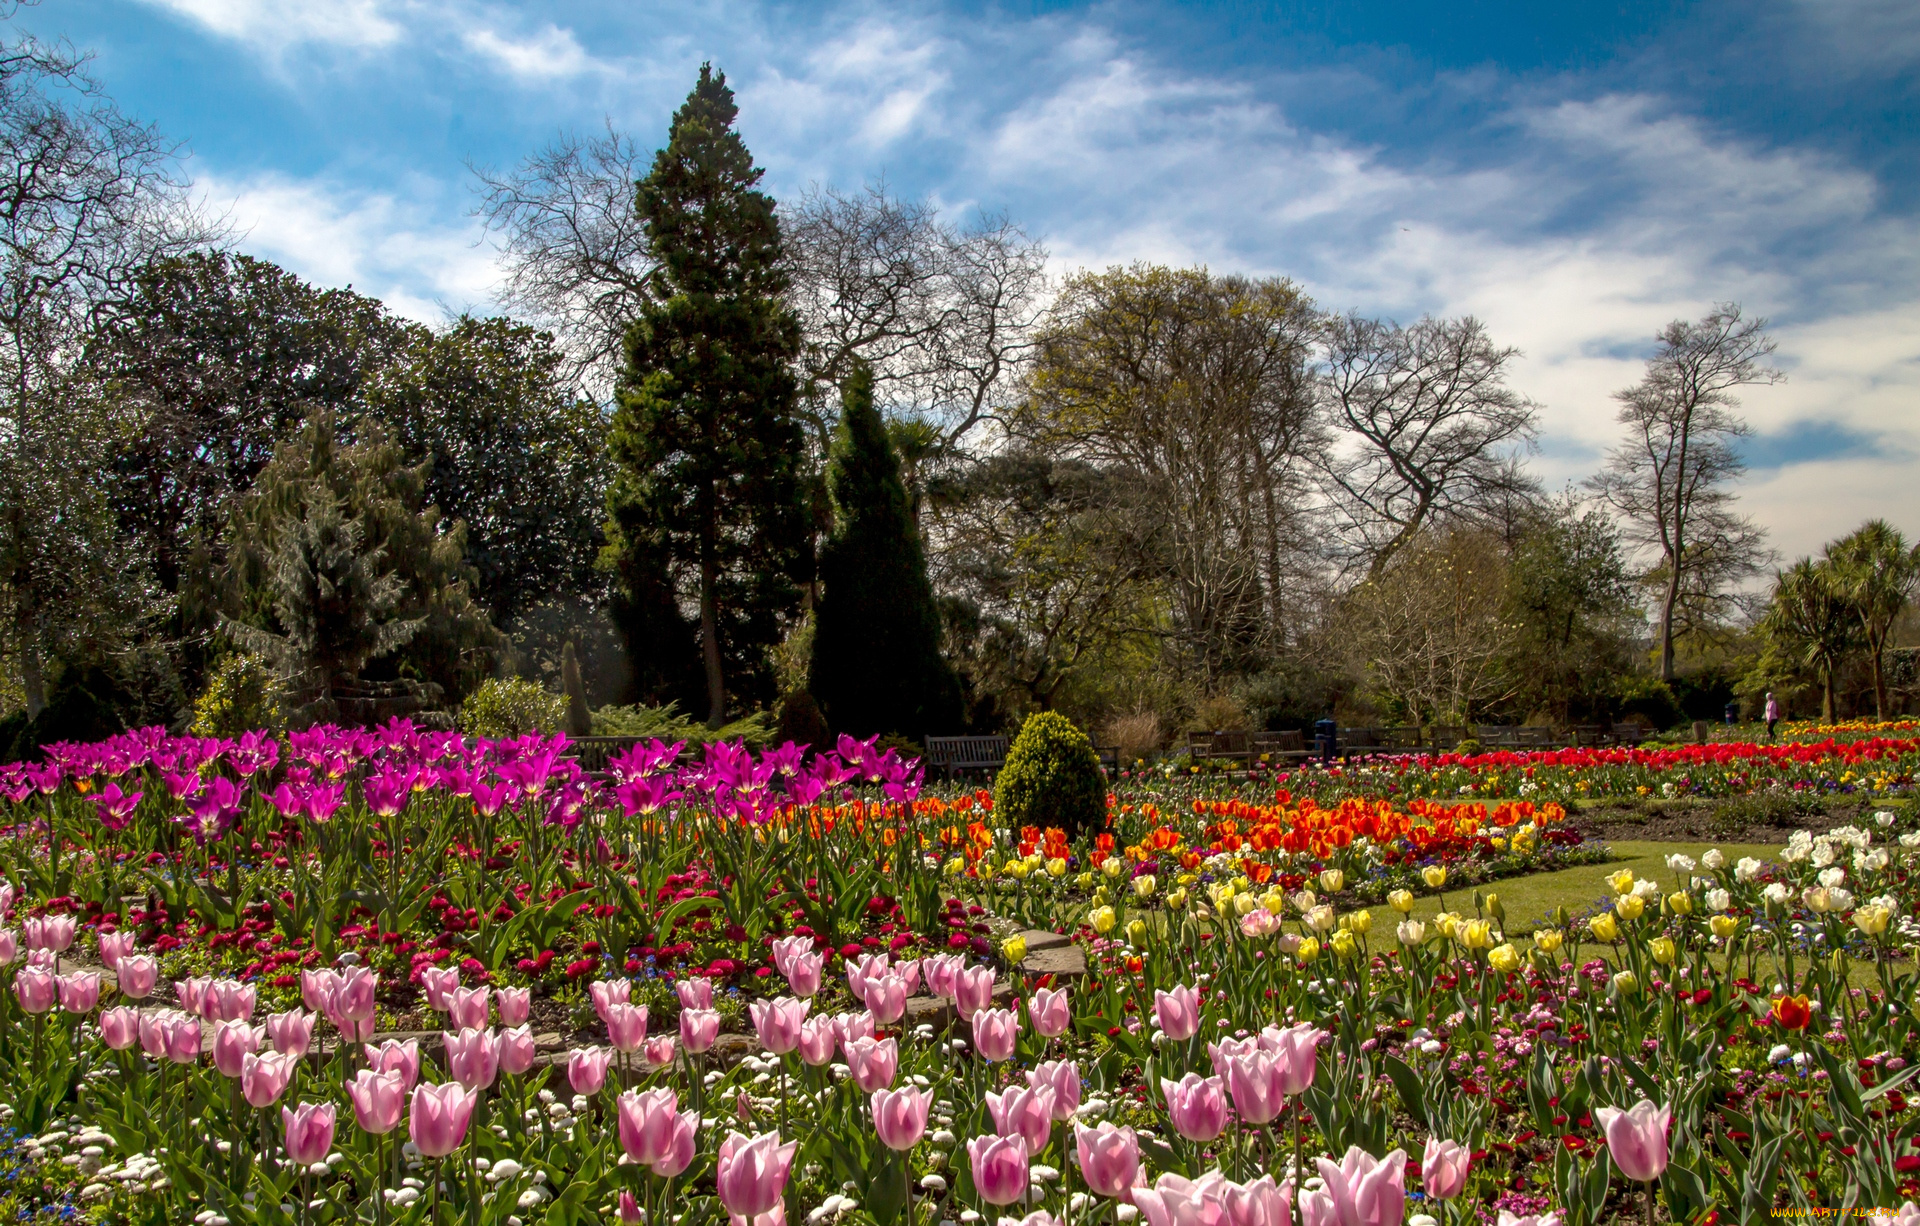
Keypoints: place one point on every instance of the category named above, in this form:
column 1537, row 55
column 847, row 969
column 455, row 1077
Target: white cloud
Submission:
column 547, row 54
column 278, row 24
column 1870, row 35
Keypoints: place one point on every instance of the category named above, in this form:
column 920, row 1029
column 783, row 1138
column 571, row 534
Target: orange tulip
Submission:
column 1792, row 1012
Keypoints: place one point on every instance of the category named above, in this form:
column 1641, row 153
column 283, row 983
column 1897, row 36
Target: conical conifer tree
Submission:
column 876, row 648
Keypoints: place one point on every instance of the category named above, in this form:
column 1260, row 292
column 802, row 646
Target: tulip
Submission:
column 1366, row 1191
column 228, row 1000
column 995, row 1032
column 851, row 1026
column 658, row 1051
column 696, row 993
column 1553, row 1219
column 113, row 947
column 818, row 1038
column 1298, row 1048
column 438, row 1117
column 1109, row 1158
column 1255, row 1080
column 873, row 1063
column 233, row 1042
column 887, row 999
column 467, row 1008
column 309, row 1129
column 292, row 1031
column 1178, row 1013
column 626, row 1025
column 1907, row 1214
column 680, row 1147
column 606, row 992
column 784, row 950
column 316, row 986
column 1175, row 1200
column 1443, row 1168
column 192, row 994
column 940, row 972
column 439, row 983
column 1063, row 1078
column 1023, row 1111
column 49, row 932
column 9, row 946
column 473, row 1057
column 396, row 1057
column 804, row 971
column 1792, row 1012
column 180, row 1038
column 264, row 1078
column 646, row 1124
column 1196, row 1106
column 120, row 1028
column 514, row 1005
column 698, row 1029
column 752, row 1174
column 587, row 1068
column 79, row 991
column 909, row 972
column 972, row 990
column 1049, row 1013
column 1260, row 1203
column 777, row 1022
column 1637, row 1138
column 999, row 1168
column 378, row 1099
column 36, row 989
column 517, row 1049
column 900, row 1116
column 863, row 969
column 629, row 1210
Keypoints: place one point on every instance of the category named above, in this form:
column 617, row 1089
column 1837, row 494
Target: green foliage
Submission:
column 1052, row 778
column 876, row 665
column 511, row 706
column 1810, row 623
column 708, row 504
column 242, row 693
column 1571, row 597
column 669, row 724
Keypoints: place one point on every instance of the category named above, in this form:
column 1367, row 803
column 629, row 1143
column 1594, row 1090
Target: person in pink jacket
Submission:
column 1772, row 713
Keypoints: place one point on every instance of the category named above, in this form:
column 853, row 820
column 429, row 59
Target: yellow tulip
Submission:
column 1136, row 932
column 1872, row 919
column 1680, row 902
column 1603, row 927
column 1244, row 903
column 1308, row 950
column 1014, row 949
column 1476, row 934
column 1176, row 899
column 1504, row 958
column 956, row 866
column 1084, row 881
column 1143, row 886
column 1445, row 923
column 1332, row 879
column 1019, row 869
column 1361, row 922
column 1343, row 944
column 1274, row 901
column 1548, row 940
column 1629, row 906
column 1622, row 881
column 1435, row 875
column 1724, row 926
column 1113, row 867
column 1625, row 983
column 1057, row 867
column 1662, row 949
column 1103, row 919
column 1401, row 901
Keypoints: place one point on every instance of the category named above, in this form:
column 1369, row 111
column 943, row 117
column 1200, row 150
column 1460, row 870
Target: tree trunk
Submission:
column 1879, row 678
column 1826, row 697
column 710, row 619
column 1667, row 605
column 32, row 679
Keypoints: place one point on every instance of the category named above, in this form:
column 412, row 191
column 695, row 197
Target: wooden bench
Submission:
column 1231, row 744
column 1280, row 746
column 1406, row 738
column 957, row 755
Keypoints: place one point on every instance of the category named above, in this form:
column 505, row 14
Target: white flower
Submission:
column 1910, row 839
column 1798, row 848
column 1747, row 869
column 1680, row 864
column 1833, row 876
column 1883, row 819
column 1873, row 861
column 1824, row 852
column 1777, row 892
column 1713, row 859
column 1719, row 900
column 1645, row 888
column 1780, row 1052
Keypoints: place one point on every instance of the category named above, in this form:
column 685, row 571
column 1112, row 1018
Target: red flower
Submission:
column 1792, row 1012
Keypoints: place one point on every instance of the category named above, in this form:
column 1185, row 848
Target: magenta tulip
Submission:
column 36, row 989
column 1000, row 1171
column 137, row 974
column 995, row 1032
column 695, row 993
column 9, row 946
column 900, row 1116
column 233, row 1042
column 438, row 1117
column 1178, row 1013
column 1109, row 1158
column 1366, row 1191
column 1196, row 1106
column 752, row 1174
column 862, row 970
column 587, row 1068
column 1443, row 1168
column 515, row 1005
column 777, row 1022
column 265, row 1077
column 517, row 1049
column 646, row 1124
column 396, row 1057
column 1637, row 1138
column 628, row 1210
column 818, row 1038
column 698, row 1029
column 626, row 1025
column 180, row 1036
column 79, row 991
column 1023, row 1111
column 378, row 1100
column 120, row 1028
column 309, row 1130
column 467, row 1008
column 113, row 947
column 972, row 990
column 473, row 1057
column 606, row 992
column 1063, row 1078
column 873, row 1063
column 291, row 1032
column 1049, row 1012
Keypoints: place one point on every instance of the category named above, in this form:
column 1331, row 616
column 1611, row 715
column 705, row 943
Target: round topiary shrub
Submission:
column 1052, row 778
column 510, row 707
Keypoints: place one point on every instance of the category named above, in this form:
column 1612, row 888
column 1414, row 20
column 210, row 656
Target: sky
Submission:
column 1576, row 175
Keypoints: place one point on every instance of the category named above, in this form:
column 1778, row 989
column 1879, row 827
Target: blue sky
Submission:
column 1575, row 174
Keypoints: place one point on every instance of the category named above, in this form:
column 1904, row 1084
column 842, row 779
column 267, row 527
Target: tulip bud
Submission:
column 1626, row 983
column 1662, row 949
column 1360, row 922
column 1014, row 950
column 1680, row 902
column 1136, row 932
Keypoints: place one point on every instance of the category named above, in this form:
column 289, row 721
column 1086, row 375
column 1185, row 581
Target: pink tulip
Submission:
column 36, row 989
column 264, row 1078
column 438, row 1117
column 1022, row 1111
column 629, row 1210
column 873, row 1063
column 999, row 1168
column 1254, row 1081
column 113, row 947
column 681, row 1146
column 192, row 994
column 752, row 1175
column 515, row 1005
column 698, row 1029
column 900, row 1116
column 1109, row 1158
column 658, row 1052
column 695, row 993
column 1260, row 1203
column 626, row 1025
column 292, row 1031
column 45, row 959
column 467, row 1008
column 777, row 1022
column 9, row 946
column 1908, row 1214
column 1443, row 1168
column 1049, row 1012
column 49, row 932
column 378, row 1099
column 972, row 990
column 228, row 1000
column 79, row 991
column 138, row 974
column 909, row 972
column 862, row 970
column 309, row 1129
column 784, row 950
column 803, row 973
column 396, row 1057
column 316, row 986
column 1637, row 1138
column 587, row 1068
column 1196, row 1106
column 233, row 1042
column 1178, row 1013
column 152, row 1039
column 1297, row 1048
column 1224, row 1052
column 818, row 1037
column 180, row 1036
column 473, row 1057
column 439, row 983
column 1063, row 1078
column 606, row 992
column 887, row 999
column 940, row 972
column 995, row 1032
column 851, row 1026
column 517, row 1049
column 120, row 1028
column 1175, row 1200
column 646, row 1124
column 1366, row 1191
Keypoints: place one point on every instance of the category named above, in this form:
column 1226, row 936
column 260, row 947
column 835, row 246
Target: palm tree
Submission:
column 1813, row 620
column 1876, row 571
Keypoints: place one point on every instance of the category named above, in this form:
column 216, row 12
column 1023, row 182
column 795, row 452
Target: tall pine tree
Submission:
column 708, row 509
column 876, row 646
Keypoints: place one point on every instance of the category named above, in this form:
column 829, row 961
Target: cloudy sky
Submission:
column 1575, row 178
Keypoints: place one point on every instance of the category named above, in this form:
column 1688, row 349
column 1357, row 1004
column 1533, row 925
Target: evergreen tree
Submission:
column 876, row 648
column 709, row 508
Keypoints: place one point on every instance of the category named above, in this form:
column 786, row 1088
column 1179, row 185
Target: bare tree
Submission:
column 1670, row 478
column 87, row 196
column 1434, row 428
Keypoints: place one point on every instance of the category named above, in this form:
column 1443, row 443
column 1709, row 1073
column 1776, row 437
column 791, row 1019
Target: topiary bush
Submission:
column 242, row 694
column 1052, row 778
column 511, row 706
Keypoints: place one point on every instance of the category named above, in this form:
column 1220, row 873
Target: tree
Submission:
column 1811, row 622
column 1671, row 476
column 1433, row 427
column 876, row 644
column 1876, row 571
column 707, row 433
column 511, row 453
column 1572, row 600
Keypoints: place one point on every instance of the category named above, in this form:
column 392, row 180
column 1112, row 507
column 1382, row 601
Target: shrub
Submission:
column 511, row 706
column 1052, row 778
column 668, row 724
column 242, row 694
column 1136, row 735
